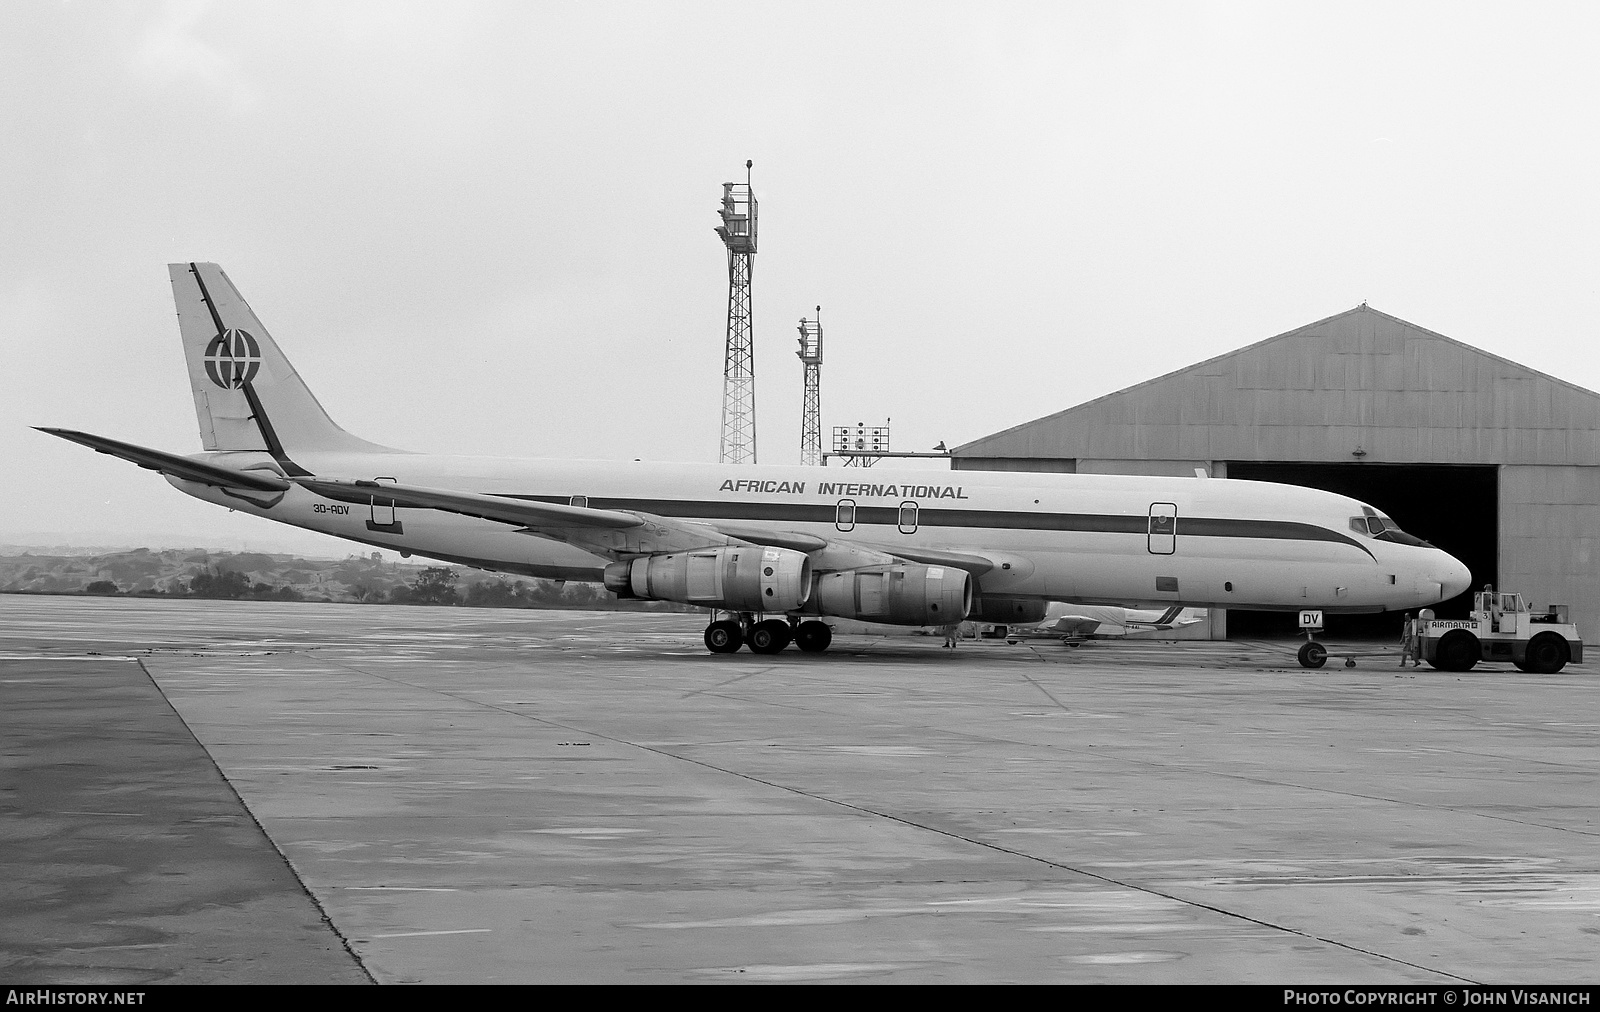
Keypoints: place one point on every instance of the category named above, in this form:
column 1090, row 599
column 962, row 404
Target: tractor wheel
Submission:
column 1547, row 654
column 1458, row 650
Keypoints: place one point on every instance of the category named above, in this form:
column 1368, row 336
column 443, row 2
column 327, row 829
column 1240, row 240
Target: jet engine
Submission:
column 1011, row 610
column 896, row 595
column 741, row 578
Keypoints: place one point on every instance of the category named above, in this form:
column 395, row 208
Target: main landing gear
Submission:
column 726, row 636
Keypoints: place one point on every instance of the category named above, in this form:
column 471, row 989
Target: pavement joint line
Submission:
column 1047, row 693
column 948, row 834
column 317, row 903
column 1210, row 772
column 67, row 657
column 1108, row 754
column 740, row 678
column 1132, row 886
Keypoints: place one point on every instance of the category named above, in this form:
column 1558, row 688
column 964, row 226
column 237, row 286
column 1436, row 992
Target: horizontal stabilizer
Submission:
column 522, row 512
column 178, row 467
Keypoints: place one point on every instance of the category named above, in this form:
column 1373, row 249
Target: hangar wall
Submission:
column 1362, row 388
column 1550, row 538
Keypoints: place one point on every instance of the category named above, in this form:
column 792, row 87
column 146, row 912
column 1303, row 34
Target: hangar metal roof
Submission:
column 1360, row 380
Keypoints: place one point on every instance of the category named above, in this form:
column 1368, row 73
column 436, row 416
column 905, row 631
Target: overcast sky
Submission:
column 488, row 227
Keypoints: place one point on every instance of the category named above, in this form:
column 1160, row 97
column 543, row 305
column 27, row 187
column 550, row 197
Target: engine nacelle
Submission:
column 1010, row 610
column 736, row 578
column 897, row 595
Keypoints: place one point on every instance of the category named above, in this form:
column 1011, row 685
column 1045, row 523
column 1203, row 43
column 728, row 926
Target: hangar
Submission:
column 1494, row 462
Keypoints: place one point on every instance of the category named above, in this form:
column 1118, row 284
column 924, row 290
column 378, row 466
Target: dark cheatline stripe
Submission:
column 931, row 516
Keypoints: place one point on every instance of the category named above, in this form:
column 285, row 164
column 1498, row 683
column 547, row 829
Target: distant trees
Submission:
column 438, row 585
column 434, row 585
column 226, row 585
column 364, row 578
column 498, row 593
column 267, row 592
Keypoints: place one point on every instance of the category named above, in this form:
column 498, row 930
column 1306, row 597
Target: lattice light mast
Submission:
column 811, row 410
column 861, row 445
column 738, row 232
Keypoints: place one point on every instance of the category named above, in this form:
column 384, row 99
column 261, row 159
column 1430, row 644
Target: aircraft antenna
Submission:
column 738, row 232
column 811, row 410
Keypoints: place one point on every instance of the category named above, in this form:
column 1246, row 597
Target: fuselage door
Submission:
column 1163, row 536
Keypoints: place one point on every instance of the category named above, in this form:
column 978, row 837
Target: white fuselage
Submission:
column 1067, row 537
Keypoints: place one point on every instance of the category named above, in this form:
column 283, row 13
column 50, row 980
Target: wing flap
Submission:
column 758, row 534
column 977, row 565
column 175, row 465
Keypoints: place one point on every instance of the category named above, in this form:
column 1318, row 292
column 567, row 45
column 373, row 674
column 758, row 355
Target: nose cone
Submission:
column 1453, row 576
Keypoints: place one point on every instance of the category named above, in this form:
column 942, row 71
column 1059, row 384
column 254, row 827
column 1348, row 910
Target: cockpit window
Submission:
column 1376, row 525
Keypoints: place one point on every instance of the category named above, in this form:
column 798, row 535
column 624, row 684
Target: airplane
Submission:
column 776, row 549
column 1074, row 623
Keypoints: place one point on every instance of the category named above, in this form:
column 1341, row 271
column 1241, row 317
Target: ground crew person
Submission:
column 1410, row 643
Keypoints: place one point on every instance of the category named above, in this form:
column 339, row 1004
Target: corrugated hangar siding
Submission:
column 1367, row 381
column 1360, row 379
column 1550, row 538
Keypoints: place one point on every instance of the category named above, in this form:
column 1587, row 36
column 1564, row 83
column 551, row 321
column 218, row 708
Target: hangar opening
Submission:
column 1452, row 506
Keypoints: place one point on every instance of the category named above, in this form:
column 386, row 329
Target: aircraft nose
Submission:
column 1453, row 575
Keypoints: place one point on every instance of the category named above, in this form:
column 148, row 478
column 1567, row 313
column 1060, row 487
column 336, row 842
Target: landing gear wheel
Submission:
column 1547, row 654
column 1458, row 650
column 813, row 637
column 769, row 637
column 1313, row 654
column 724, row 637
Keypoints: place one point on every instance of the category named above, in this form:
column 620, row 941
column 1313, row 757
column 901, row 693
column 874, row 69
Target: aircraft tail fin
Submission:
column 246, row 394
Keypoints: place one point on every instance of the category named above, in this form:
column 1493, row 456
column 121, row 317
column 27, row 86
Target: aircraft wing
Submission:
column 759, row 534
column 977, row 565
column 522, row 512
column 581, row 524
column 175, row 465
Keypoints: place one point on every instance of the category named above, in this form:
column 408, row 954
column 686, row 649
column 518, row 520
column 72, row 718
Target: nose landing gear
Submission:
column 1312, row 654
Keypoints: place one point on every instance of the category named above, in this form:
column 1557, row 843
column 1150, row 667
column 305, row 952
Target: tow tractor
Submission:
column 1502, row 627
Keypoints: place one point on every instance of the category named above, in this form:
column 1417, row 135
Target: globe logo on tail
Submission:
column 232, row 359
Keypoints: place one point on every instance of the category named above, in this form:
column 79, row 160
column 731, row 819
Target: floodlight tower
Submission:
column 811, row 411
column 738, row 232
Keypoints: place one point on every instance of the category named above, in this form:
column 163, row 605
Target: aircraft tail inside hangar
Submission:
column 1494, row 462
